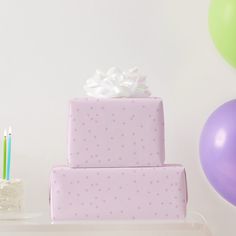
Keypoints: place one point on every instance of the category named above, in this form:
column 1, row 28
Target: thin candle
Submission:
column 4, row 154
column 9, row 154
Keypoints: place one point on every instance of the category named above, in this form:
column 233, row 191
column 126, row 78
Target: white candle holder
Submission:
column 11, row 195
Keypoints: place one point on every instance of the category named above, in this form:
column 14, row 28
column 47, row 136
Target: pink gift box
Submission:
column 118, row 193
column 116, row 132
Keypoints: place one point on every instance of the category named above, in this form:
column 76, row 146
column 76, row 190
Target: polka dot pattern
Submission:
column 125, row 132
column 118, row 193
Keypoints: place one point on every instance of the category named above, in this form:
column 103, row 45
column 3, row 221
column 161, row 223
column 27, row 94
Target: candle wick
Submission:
column 9, row 130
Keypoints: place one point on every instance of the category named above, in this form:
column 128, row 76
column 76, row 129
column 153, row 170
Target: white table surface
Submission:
column 194, row 225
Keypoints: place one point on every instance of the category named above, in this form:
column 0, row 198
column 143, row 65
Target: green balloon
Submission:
column 222, row 26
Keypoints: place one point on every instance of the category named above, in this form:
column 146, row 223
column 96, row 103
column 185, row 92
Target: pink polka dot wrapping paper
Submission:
column 118, row 193
column 116, row 132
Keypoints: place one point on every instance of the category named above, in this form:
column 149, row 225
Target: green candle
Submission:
column 4, row 155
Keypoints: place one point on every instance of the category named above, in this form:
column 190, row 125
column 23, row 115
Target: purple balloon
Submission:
column 218, row 150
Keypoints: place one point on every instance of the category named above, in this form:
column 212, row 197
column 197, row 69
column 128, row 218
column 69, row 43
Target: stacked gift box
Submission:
column 116, row 166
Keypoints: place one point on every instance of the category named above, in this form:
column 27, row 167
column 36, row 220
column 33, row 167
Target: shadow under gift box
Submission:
column 118, row 193
column 116, row 132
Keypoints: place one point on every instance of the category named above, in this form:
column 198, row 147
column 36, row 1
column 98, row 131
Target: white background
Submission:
column 49, row 47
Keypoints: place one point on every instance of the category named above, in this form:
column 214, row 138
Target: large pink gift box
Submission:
column 118, row 193
column 127, row 132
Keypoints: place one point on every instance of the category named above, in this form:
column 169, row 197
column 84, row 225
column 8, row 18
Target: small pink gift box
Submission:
column 118, row 193
column 116, row 132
